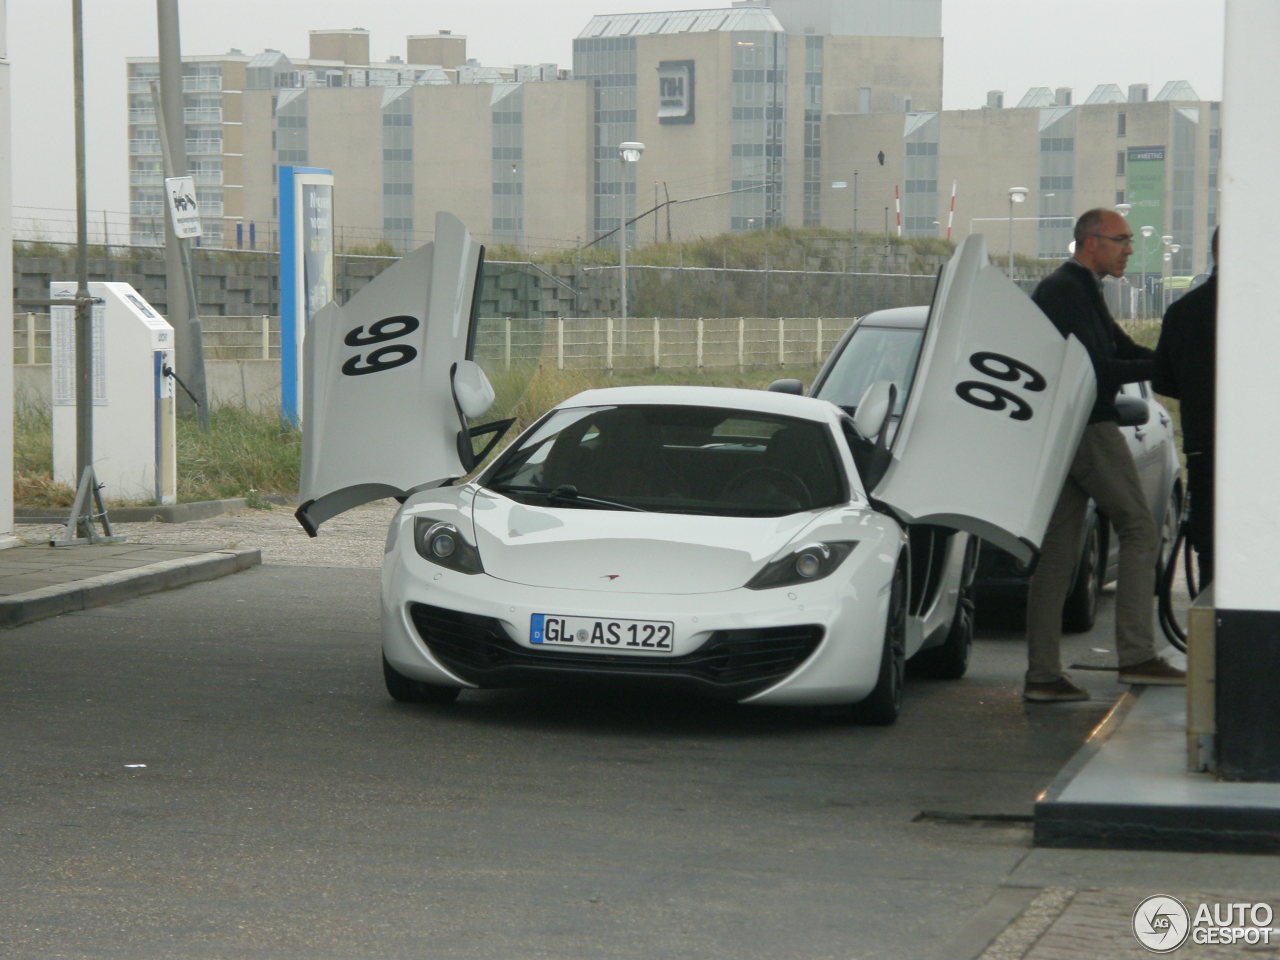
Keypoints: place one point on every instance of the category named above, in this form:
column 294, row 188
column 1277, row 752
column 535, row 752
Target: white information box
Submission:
column 134, row 447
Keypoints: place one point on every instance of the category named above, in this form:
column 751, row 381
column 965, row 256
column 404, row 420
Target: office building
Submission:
column 760, row 114
column 731, row 103
column 1158, row 154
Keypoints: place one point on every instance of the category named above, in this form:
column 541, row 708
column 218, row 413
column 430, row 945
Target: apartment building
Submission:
column 731, row 103
column 760, row 114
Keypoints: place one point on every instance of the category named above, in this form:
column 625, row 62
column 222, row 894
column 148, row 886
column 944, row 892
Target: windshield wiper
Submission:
column 566, row 494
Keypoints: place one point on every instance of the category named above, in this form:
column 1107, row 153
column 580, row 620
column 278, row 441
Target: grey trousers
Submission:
column 1103, row 469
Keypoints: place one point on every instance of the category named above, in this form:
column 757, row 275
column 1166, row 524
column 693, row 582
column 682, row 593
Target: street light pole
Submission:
column 629, row 152
column 1147, row 231
column 1166, row 264
column 855, row 221
column 1016, row 195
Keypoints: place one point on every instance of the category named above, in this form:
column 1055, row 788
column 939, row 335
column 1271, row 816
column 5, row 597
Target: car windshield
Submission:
column 873, row 353
column 673, row 459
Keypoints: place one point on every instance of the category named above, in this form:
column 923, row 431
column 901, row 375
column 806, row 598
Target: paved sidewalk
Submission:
column 38, row 581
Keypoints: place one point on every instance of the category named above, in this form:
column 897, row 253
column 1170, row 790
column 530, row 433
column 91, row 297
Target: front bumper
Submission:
column 817, row 643
column 732, row 664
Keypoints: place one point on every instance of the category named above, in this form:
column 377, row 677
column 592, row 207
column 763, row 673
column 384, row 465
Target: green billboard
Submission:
column 1144, row 191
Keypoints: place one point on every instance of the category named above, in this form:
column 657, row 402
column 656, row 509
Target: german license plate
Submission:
column 624, row 636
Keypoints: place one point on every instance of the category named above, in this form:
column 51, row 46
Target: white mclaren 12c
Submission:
column 752, row 545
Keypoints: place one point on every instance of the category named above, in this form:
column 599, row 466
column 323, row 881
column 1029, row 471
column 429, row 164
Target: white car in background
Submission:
column 741, row 543
column 886, row 345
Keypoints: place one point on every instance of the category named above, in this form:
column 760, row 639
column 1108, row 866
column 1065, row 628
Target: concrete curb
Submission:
column 106, row 588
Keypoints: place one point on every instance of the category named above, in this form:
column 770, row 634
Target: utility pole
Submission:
column 184, row 312
column 79, row 528
column 84, row 304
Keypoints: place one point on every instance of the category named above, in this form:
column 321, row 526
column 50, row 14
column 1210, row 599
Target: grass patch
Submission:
column 254, row 455
column 33, row 483
column 243, row 454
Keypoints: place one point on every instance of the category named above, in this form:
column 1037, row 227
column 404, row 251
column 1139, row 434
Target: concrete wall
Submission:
column 557, row 168
column 258, row 180
column 345, row 136
column 690, row 159
column 893, row 67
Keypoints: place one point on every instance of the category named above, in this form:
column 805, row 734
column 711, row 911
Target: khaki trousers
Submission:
column 1103, row 469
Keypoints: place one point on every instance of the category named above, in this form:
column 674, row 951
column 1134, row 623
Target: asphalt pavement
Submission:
column 215, row 772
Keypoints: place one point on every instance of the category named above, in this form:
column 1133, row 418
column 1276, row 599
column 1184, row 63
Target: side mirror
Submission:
column 472, row 396
column 472, row 391
column 870, row 419
column 1133, row 411
column 787, row 385
column 872, row 412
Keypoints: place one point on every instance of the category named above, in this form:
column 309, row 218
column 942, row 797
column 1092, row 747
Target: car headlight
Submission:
column 811, row 562
column 441, row 543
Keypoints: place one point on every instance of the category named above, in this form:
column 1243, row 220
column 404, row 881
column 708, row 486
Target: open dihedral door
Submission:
column 997, row 408
column 389, row 383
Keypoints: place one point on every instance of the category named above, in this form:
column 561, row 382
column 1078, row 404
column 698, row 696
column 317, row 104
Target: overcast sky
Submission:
column 1008, row 45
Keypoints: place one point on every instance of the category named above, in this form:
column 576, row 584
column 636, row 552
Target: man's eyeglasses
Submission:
column 1125, row 239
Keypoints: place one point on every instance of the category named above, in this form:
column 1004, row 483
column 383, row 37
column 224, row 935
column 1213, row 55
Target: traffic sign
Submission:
column 183, row 209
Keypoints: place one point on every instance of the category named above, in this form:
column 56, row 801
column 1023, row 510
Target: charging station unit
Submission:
column 134, row 442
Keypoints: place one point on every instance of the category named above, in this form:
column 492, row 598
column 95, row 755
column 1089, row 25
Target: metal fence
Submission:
column 697, row 343
column 595, row 343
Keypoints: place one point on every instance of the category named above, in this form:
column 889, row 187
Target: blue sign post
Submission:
column 306, row 270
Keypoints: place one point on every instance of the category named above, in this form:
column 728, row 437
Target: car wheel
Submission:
column 882, row 706
column 950, row 660
column 407, row 690
column 1081, row 608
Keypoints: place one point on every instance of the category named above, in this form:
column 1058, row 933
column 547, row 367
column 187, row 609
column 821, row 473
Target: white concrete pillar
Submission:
column 7, row 536
column 1247, row 531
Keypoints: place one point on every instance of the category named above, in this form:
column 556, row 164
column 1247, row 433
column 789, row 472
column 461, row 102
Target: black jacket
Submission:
column 1185, row 363
column 1070, row 297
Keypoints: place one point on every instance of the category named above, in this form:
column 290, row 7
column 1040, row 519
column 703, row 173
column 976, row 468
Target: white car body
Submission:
column 690, row 570
column 982, row 446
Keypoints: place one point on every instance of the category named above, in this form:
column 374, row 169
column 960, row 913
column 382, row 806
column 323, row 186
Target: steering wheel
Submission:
column 768, row 484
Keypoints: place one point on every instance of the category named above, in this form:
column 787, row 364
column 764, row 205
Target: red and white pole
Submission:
column 951, row 213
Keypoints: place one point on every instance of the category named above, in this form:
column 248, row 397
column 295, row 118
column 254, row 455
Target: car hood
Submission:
column 623, row 551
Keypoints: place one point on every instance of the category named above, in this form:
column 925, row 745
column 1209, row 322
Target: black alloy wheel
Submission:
column 882, row 706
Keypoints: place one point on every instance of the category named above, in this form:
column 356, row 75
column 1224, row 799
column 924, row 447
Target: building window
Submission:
column 1119, row 163
column 920, row 186
column 1120, row 124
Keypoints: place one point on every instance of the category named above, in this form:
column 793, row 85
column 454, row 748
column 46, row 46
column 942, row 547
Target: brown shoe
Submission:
column 1061, row 690
column 1154, row 671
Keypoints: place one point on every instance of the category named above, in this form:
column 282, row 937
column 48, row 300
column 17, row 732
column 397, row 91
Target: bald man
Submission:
column 1103, row 469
